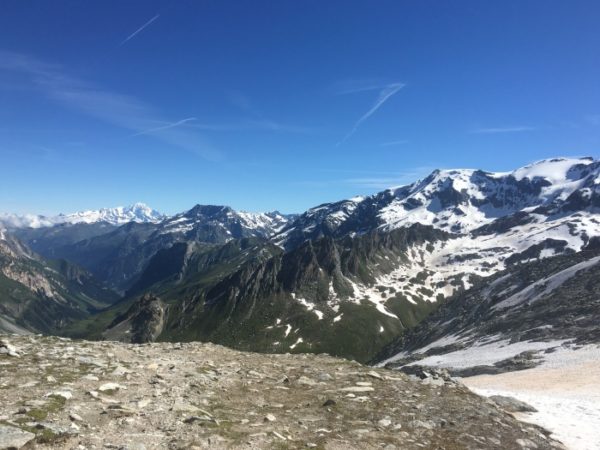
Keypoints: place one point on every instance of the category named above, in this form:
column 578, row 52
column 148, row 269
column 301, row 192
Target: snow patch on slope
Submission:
column 545, row 286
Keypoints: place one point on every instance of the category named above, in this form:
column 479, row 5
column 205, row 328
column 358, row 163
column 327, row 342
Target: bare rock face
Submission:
column 143, row 322
column 63, row 394
column 511, row 404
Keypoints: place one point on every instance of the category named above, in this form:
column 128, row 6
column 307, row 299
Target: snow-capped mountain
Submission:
column 368, row 267
column 459, row 201
column 116, row 254
column 494, row 219
column 138, row 212
column 210, row 223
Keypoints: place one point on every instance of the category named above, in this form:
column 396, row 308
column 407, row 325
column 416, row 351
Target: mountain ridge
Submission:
column 138, row 212
column 272, row 282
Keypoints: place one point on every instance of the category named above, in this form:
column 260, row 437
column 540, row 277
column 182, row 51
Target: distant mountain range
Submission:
column 347, row 278
column 138, row 212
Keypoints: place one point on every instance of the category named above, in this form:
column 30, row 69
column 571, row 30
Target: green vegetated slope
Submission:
column 250, row 295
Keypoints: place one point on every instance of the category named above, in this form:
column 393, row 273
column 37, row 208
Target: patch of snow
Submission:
column 309, row 306
column 483, row 353
column 564, row 389
column 299, row 341
column 553, row 170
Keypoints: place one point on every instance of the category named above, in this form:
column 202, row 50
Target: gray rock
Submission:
column 306, row 381
column 75, row 417
column 357, row 389
column 526, row 443
column 433, row 381
column 428, row 424
column 11, row 437
column 324, row 376
column 511, row 404
column 8, row 349
column 384, row 423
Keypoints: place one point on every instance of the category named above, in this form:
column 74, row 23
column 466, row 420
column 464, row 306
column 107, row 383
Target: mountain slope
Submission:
column 497, row 219
column 38, row 295
column 117, row 256
column 530, row 306
column 319, row 297
column 50, row 241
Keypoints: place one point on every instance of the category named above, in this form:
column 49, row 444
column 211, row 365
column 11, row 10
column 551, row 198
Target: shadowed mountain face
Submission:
column 42, row 295
column 249, row 294
column 117, row 256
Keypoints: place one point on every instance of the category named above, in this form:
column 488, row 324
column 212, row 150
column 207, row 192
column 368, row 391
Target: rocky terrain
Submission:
column 525, row 310
column 37, row 294
column 61, row 394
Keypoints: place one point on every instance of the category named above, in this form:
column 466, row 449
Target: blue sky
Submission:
column 266, row 105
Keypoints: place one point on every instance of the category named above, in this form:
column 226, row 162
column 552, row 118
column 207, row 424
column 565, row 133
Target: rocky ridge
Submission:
column 57, row 394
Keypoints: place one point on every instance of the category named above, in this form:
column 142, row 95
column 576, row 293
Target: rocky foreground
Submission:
column 62, row 394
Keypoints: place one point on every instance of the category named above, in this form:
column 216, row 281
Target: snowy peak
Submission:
column 556, row 170
column 222, row 223
column 459, row 200
column 138, row 212
column 464, row 199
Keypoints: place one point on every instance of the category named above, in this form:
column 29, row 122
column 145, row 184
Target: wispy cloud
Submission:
column 497, row 130
column 390, row 180
column 394, row 143
column 117, row 109
column 256, row 121
column 374, row 180
column 139, row 30
column 345, row 87
column 385, row 93
column 166, row 126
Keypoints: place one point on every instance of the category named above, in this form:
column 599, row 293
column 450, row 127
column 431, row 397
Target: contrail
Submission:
column 132, row 35
column 384, row 95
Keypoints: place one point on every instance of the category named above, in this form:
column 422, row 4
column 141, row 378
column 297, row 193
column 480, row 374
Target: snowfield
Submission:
column 565, row 390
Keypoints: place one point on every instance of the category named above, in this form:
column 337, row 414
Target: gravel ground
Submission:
column 62, row 394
